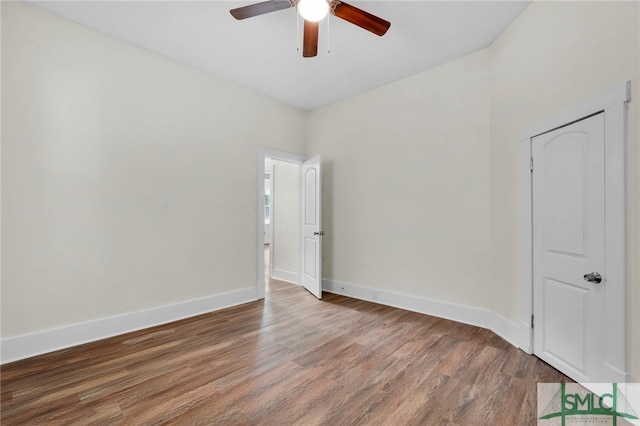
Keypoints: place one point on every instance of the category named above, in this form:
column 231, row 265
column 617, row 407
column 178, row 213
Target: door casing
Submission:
column 613, row 104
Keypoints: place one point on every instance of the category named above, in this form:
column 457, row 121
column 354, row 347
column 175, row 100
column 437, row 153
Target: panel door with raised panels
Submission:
column 312, row 226
column 569, row 277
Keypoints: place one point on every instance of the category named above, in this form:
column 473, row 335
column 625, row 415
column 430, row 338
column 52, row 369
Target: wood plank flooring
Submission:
column 289, row 359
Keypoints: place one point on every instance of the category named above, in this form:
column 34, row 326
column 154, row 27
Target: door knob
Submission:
column 593, row 277
column 319, row 233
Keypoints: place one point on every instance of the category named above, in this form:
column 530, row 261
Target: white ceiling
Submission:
column 261, row 52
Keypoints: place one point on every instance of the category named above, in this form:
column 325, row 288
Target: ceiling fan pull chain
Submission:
column 328, row 34
column 297, row 30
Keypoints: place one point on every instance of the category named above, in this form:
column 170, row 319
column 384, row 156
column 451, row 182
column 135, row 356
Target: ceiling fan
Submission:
column 313, row 11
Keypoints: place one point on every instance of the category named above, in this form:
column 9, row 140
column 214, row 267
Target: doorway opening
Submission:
column 281, row 220
column 278, row 227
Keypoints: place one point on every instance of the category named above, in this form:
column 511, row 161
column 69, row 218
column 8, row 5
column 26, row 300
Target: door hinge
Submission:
column 532, row 321
column 531, row 163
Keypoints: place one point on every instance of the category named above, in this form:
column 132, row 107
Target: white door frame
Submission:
column 263, row 153
column 614, row 105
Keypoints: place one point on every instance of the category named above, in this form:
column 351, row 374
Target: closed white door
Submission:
column 569, row 276
column 312, row 226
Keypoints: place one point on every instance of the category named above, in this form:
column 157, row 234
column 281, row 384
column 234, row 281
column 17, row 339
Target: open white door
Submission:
column 312, row 226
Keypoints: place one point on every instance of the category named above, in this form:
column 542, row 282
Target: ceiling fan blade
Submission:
column 361, row 18
column 259, row 8
column 310, row 42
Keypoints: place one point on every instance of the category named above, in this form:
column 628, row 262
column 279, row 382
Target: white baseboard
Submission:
column 615, row 375
column 260, row 290
column 524, row 340
column 288, row 276
column 464, row 314
column 505, row 329
column 28, row 345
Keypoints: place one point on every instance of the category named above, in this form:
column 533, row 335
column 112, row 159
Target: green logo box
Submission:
column 575, row 404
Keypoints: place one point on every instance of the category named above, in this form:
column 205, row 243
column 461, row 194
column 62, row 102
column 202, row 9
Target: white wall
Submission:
column 286, row 220
column 0, row 176
column 406, row 184
column 128, row 180
column 553, row 56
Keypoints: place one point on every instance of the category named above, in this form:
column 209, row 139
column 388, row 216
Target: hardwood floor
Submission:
column 289, row 359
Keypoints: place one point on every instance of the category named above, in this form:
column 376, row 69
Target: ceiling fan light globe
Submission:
column 313, row 10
